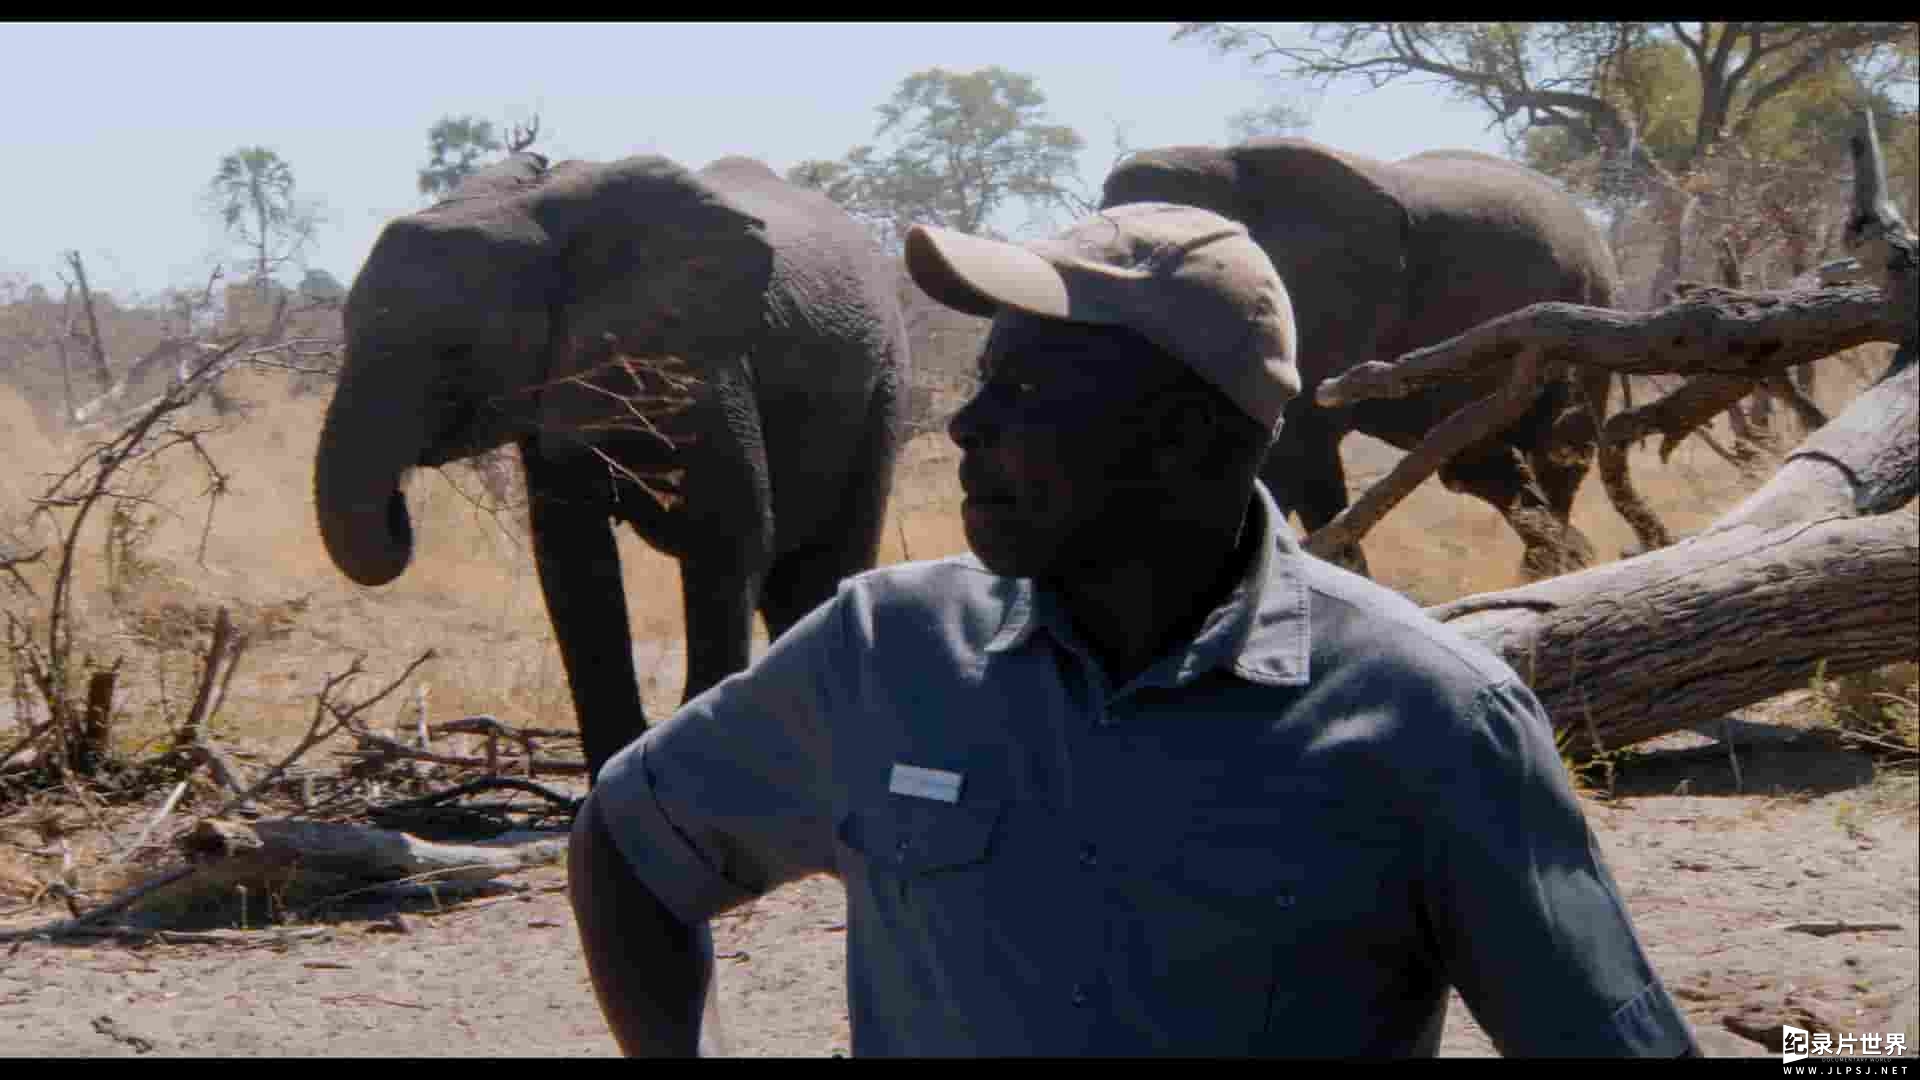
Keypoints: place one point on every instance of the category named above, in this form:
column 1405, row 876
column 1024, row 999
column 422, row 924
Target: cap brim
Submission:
column 979, row 276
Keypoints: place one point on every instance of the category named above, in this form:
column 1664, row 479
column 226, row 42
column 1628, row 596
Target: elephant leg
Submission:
column 1499, row 475
column 1307, row 477
column 1562, row 459
column 724, row 534
column 719, row 592
column 807, row 576
column 579, row 567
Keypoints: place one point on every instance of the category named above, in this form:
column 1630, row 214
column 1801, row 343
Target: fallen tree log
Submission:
column 1820, row 566
column 262, row 870
column 364, row 853
column 1639, row 648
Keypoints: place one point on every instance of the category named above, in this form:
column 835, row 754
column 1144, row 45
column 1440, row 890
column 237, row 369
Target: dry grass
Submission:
column 1880, row 710
column 18, row 879
column 472, row 593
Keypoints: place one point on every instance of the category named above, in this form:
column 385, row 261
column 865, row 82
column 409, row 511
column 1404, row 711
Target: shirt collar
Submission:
column 1259, row 631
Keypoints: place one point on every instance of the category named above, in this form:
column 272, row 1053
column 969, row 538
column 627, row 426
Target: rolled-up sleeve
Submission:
column 733, row 795
column 1526, row 918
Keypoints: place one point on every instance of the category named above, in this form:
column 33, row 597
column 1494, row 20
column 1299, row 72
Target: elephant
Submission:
column 1382, row 258
column 717, row 359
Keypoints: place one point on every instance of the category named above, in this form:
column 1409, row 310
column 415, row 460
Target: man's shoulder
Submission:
column 955, row 597
column 1445, row 693
column 956, row 578
column 1356, row 619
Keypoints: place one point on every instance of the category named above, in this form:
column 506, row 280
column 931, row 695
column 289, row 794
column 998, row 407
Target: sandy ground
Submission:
column 1714, row 880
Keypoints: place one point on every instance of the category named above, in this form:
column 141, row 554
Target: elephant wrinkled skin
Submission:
column 1384, row 258
column 514, row 311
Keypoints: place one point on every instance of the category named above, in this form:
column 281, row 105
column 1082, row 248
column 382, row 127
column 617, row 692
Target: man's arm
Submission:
column 650, row 971
column 1528, row 922
column 729, row 798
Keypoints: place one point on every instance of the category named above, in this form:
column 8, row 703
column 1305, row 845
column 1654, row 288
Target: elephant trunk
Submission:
column 370, row 438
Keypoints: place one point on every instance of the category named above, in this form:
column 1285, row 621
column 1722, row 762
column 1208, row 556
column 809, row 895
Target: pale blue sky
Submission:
column 118, row 126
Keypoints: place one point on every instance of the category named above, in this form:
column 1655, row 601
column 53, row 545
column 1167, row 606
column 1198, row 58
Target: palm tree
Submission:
column 253, row 190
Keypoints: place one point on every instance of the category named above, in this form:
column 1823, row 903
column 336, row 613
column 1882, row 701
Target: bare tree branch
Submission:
column 522, row 136
column 329, row 718
column 1494, row 412
column 1712, row 330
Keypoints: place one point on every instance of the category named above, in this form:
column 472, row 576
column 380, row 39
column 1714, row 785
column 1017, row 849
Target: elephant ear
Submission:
column 1337, row 229
column 655, row 267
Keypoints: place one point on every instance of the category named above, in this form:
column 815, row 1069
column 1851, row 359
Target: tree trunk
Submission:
column 96, row 348
column 96, row 723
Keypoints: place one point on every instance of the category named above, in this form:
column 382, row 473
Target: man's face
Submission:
column 1055, row 464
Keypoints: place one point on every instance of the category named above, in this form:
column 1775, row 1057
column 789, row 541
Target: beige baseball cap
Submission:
column 1191, row 281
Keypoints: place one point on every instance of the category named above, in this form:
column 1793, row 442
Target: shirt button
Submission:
column 1079, row 997
column 1089, row 858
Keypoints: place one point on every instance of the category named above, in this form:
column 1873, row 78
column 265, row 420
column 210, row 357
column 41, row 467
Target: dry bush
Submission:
column 1883, row 704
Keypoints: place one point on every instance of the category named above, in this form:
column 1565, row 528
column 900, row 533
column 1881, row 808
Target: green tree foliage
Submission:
column 1587, row 78
column 456, row 148
column 253, row 193
column 1634, row 114
column 1274, row 118
column 322, row 287
column 960, row 146
column 459, row 146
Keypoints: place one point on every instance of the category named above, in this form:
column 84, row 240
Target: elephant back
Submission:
column 1492, row 236
column 831, row 292
column 649, row 255
column 1331, row 222
column 1200, row 176
column 515, row 175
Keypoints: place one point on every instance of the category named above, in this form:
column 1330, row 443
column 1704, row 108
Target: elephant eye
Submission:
column 1019, row 389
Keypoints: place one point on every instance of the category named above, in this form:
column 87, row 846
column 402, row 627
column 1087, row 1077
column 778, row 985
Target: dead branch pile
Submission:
column 321, row 820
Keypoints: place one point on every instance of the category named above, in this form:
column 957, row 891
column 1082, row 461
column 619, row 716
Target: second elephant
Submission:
column 1383, row 258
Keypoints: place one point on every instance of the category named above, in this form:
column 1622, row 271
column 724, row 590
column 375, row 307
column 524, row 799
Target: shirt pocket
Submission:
column 921, row 837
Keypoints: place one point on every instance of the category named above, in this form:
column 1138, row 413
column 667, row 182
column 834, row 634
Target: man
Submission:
column 1142, row 777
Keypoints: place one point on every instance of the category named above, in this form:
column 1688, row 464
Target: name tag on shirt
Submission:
column 936, row 784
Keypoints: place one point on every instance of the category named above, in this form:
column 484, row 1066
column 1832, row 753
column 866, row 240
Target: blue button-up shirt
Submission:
column 1289, row 836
